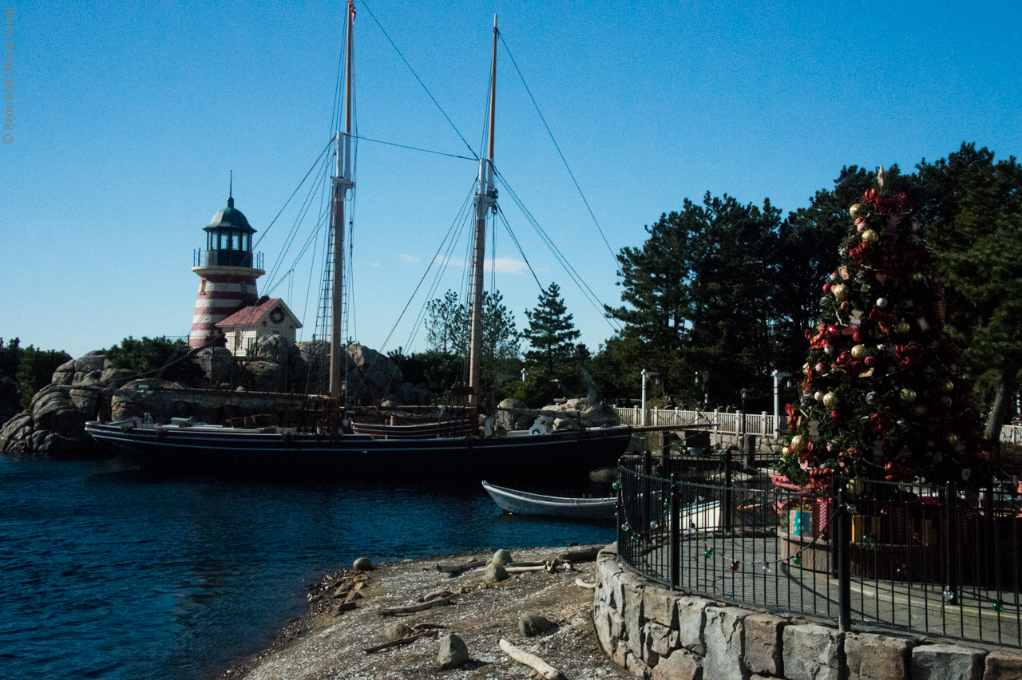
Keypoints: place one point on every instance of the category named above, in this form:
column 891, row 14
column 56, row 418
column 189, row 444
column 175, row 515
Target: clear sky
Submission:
column 128, row 118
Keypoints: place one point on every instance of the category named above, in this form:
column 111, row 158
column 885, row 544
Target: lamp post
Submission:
column 646, row 375
column 777, row 400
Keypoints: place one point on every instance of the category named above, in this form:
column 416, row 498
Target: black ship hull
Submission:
column 561, row 456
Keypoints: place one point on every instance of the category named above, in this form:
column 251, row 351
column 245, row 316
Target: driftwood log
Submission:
column 455, row 569
column 582, row 584
column 587, row 555
column 545, row 670
column 396, row 611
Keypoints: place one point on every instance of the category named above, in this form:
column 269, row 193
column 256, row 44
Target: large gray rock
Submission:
column 681, row 665
column 502, row 557
column 494, row 573
column 877, row 657
column 692, row 623
column 51, row 427
column 946, row 662
column 812, row 652
column 91, row 361
column 514, row 415
column 396, row 631
column 724, row 633
column 377, row 372
column 660, row 606
column 264, row 376
column 531, row 625
column 763, row 644
column 1002, row 665
column 452, row 653
column 217, row 364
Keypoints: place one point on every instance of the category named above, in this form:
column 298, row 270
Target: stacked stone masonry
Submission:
column 658, row 634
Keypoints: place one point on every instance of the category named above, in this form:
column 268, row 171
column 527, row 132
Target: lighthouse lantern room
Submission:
column 227, row 270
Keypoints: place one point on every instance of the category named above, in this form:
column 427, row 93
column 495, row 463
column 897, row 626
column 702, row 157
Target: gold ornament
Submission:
column 785, row 452
column 859, row 351
column 797, row 442
column 869, row 236
column 830, row 400
column 840, row 291
column 947, row 386
column 952, row 439
column 917, row 277
column 902, row 328
column 857, row 210
column 808, row 370
column 908, row 395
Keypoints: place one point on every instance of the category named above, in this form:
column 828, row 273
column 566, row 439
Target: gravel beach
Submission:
column 328, row 642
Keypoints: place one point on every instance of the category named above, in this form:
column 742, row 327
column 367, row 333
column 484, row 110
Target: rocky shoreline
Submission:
column 481, row 606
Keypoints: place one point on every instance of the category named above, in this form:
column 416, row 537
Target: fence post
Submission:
column 621, row 505
column 843, row 534
column 675, row 534
column 727, row 489
column 647, row 501
column 835, row 555
column 951, row 539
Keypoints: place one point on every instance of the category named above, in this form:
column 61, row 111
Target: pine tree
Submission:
column 883, row 397
column 551, row 333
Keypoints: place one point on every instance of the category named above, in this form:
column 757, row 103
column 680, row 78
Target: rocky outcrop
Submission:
column 51, row 427
column 9, row 399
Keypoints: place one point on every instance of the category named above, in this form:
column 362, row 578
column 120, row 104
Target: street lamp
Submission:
column 646, row 375
column 777, row 400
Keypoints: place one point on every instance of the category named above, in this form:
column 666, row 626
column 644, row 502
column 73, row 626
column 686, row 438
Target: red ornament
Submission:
column 869, row 361
column 826, row 287
column 734, row 566
column 833, row 414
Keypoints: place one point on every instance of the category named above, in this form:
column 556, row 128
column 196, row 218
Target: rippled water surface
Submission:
column 106, row 572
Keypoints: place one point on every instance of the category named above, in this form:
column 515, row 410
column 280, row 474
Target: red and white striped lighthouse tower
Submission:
column 227, row 270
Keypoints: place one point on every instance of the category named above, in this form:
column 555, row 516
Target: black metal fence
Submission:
column 932, row 560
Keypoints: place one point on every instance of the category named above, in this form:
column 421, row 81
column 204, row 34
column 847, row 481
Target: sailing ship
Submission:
column 329, row 442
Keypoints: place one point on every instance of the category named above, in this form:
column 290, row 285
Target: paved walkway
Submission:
column 754, row 572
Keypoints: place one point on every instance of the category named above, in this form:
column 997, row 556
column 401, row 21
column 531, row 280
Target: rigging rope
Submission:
column 387, row 36
column 558, row 147
column 414, row 148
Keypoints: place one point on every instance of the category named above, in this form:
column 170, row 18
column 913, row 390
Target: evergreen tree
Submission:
column 446, row 325
column 551, row 333
column 883, row 397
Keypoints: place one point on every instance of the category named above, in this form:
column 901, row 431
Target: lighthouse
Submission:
column 227, row 272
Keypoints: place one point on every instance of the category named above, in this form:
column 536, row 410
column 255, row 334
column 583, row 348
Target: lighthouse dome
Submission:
column 230, row 218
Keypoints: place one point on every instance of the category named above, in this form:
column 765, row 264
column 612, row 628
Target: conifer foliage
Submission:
column 883, row 397
column 551, row 332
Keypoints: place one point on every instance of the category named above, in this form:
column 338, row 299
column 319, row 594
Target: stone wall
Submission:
column 658, row 634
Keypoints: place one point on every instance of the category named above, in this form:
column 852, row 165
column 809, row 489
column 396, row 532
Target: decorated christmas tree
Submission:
column 883, row 398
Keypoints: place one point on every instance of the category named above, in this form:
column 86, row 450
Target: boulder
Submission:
column 681, row 665
column 813, row 652
column 452, row 653
column 763, row 644
column 396, row 631
column 216, row 363
column 514, row 415
column 532, row 625
column 362, row 564
column 947, row 662
column 264, row 376
column 501, row 557
column 51, row 427
column 379, row 374
column 724, row 635
column 91, row 361
column 495, row 573
column 877, row 657
column 64, row 374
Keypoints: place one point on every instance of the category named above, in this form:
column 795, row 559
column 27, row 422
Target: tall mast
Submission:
column 486, row 198
column 342, row 182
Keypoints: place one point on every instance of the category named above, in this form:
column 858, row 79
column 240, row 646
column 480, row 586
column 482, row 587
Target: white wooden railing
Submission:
column 731, row 423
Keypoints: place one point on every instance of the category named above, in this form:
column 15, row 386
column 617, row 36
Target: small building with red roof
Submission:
column 268, row 316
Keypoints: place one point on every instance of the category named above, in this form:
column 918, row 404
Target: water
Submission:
column 106, row 572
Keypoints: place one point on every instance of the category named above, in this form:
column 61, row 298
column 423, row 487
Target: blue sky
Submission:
column 128, row 118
